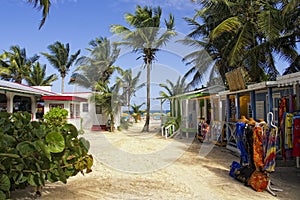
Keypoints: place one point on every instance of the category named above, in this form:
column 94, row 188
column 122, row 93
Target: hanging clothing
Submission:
column 249, row 145
column 296, row 136
column 288, row 135
column 282, row 110
column 258, row 148
column 240, row 127
column 269, row 138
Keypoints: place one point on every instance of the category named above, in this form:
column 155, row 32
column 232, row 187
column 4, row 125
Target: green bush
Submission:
column 56, row 117
column 32, row 153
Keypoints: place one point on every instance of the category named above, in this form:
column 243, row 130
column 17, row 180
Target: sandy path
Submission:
column 134, row 165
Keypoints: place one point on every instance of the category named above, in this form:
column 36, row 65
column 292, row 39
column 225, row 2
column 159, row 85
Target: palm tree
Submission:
column 136, row 112
column 15, row 65
column 37, row 76
column 145, row 39
column 172, row 90
column 249, row 35
column 44, row 5
column 108, row 97
column 61, row 59
column 99, row 66
column 129, row 84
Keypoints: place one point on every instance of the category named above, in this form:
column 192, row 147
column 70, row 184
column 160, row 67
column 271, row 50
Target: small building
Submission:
column 38, row 100
column 16, row 97
column 71, row 103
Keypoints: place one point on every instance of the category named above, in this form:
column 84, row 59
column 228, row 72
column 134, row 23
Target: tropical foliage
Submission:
column 137, row 112
column 98, row 66
column 43, row 5
column 129, row 84
column 15, row 65
column 146, row 39
column 60, row 58
column 172, row 90
column 56, row 117
column 242, row 34
column 37, row 76
column 32, row 153
column 109, row 99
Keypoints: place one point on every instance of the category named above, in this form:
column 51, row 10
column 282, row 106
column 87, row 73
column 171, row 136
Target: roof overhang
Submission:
column 64, row 98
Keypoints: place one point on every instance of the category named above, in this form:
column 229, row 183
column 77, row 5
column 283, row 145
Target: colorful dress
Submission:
column 270, row 148
column 288, row 134
column 258, row 148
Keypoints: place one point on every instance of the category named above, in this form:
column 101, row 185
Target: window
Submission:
column 98, row 109
column 71, row 110
column 85, row 107
column 77, row 110
column 260, row 109
column 54, row 105
column 21, row 104
column 3, row 103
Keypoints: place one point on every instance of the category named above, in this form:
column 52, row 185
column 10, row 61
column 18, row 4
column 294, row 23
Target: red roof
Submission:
column 63, row 98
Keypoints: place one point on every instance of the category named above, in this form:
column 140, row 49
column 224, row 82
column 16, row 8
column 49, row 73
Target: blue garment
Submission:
column 240, row 127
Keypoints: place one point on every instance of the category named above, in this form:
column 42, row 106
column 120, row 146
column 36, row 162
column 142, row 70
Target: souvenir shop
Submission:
column 264, row 127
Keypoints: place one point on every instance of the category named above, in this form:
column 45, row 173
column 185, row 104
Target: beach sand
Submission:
column 135, row 165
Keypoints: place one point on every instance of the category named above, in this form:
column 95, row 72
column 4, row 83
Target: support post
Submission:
column 270, row 99
column 238, row 106
column 252, row 103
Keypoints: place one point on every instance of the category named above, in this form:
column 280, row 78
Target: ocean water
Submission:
column 155, row 114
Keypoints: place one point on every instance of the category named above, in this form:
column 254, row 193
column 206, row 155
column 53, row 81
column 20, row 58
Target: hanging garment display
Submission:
column 269, row 138
column 240, row 126
column 296, row 136
column 288, row 135
column 282, row 110
column 258, row 148
column 249, row 144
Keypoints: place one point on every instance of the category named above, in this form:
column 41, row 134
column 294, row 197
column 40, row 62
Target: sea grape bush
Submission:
column 56, row 117
column 32, row 153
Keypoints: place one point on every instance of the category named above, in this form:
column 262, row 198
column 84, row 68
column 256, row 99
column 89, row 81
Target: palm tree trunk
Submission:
column 112, row 126
column 62, row 84
column 146, row 126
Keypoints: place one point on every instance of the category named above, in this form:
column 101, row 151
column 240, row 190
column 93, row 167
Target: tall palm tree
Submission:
column 43, row 5
column 172, row 90
column 37, row 76
column 146, row 38
column 130, row 85
column 98, row 66
column 15, row 64
column 61, row 59
column 249, row 35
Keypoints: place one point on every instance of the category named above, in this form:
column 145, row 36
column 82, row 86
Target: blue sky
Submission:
column 78, row 21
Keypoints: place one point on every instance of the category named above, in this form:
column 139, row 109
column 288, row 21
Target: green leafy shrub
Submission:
column 56, row 117
column 176, row 122
column 32, row 152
